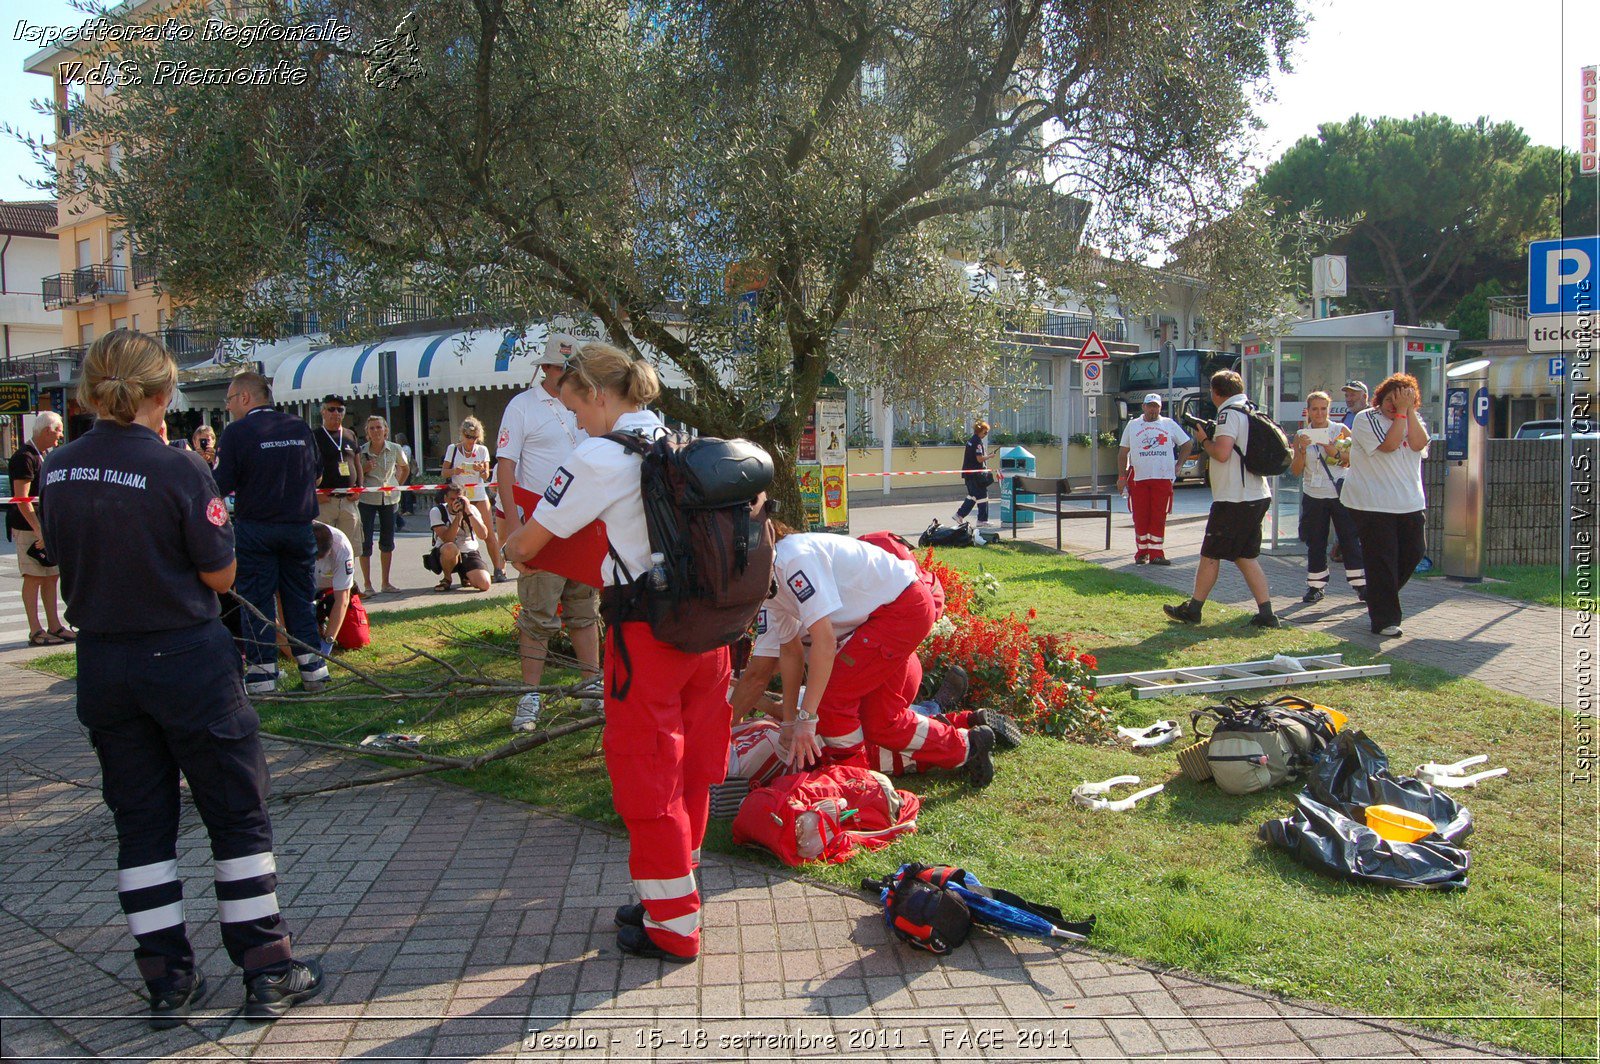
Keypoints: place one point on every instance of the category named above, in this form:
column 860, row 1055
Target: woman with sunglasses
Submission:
column 466, row 465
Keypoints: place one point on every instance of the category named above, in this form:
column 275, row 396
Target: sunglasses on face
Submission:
column 333, row 410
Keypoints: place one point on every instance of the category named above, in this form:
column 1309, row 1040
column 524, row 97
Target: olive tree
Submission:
column 757, row 191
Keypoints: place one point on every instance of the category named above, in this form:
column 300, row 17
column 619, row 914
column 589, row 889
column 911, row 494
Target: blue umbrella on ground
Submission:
column 913, row 909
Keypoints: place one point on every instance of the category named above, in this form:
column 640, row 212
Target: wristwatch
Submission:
column 801, row 716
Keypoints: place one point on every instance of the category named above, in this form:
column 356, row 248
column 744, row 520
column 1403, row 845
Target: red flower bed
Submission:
column 1040, row 679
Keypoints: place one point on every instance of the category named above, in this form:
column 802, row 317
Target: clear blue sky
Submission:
column 1374, row 57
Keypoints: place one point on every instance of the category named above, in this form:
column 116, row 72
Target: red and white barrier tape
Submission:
column 350, row 492
column 929, row 473
column 320, row 491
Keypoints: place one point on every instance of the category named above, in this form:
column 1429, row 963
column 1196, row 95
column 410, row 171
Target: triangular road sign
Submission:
column 1093, row 348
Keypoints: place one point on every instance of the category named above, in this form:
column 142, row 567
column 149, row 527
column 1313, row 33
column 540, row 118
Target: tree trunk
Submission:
column 785, row 479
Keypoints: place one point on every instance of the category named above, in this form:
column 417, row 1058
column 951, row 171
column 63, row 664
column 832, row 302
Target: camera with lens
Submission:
column 1190, row 423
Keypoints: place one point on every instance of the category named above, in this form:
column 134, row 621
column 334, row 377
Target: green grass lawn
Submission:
column 1182, row 880
column 1529, row 583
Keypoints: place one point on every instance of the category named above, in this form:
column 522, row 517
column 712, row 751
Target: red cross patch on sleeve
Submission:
column 801, row 586
column 216, row 512
column 559, row 483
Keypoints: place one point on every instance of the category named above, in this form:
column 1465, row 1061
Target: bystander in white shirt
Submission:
column 1387, row 482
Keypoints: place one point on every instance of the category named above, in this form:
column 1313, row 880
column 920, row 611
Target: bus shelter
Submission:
column 1320, row 354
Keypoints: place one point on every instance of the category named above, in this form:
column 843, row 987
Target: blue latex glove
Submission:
column 327, row 647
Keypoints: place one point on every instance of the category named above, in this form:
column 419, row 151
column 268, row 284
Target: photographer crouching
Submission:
column 456, row 529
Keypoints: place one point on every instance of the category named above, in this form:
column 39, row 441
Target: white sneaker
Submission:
column 261, row 687
column 591, row 696
column 527, row 716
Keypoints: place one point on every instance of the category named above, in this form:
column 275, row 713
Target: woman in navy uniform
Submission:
column 160, row 684
column 973, row 458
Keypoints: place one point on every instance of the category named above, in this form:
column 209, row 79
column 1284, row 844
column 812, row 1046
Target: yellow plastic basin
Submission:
column 1398, row 825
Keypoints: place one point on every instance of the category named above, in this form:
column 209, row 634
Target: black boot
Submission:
column 979, row 765
column 1188, row 613
column 630, row 915
column 170, row 1006
column 1006, row 730
column 268, row 997
column 634, row 940
column 952, row 689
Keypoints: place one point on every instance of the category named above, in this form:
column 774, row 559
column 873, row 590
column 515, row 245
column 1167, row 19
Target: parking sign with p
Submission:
column 1561, row 275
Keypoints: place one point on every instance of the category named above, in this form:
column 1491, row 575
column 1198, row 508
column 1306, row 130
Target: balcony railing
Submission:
column 1508, row 318
column 86, row 284
column 43, row 365
column 144, row 272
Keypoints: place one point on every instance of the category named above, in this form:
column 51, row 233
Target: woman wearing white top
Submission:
column 466, row 465
column 667, row 724
column 1383, row 492
column 1322, row 476
column 866, row 612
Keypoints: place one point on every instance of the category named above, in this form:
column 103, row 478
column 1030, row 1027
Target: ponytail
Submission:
column 122, row 369
column 600, row 367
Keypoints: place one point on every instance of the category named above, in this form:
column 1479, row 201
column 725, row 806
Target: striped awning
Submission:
column 1522, row 375
column 435, row 362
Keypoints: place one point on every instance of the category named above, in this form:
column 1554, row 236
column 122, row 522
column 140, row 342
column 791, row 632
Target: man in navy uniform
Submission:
column 268, row 461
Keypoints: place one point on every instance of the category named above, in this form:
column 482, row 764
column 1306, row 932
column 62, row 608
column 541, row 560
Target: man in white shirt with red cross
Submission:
column 1153, row 447
column 537, row 434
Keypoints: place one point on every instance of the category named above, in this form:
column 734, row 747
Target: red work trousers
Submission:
column 665, row 745
column 1150, row 500
column 866, row 699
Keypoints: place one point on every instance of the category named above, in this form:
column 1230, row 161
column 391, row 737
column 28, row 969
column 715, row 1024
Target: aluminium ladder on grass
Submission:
column 1281, row 671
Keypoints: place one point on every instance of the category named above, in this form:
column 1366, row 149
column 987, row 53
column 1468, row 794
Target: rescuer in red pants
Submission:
column 857, row 688
column 667, row 724
column 1153, row 449
column 1151, row 501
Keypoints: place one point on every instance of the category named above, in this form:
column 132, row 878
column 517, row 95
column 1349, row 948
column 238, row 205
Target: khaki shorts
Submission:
column 341, row 514
column 540, row 593
column 26, row 565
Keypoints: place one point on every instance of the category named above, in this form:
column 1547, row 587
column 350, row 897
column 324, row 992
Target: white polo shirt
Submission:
column 1153, row 447
column 336, row 570
column 600, row 482
column 843, row 579
column 1230, row 480
column 1388, row 483
column 536, row 433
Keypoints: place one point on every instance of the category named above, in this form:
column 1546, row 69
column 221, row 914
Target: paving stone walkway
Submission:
column 459, row 926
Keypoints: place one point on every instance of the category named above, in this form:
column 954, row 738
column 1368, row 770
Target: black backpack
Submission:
column 922, row 911
column 697, row 495
column 937, row 535
column 1266, row 451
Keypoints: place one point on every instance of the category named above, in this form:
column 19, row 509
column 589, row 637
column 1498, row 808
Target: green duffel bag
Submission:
column 1256, row 745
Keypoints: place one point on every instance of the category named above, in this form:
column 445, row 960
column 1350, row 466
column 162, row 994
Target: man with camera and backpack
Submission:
column 1239, row 499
